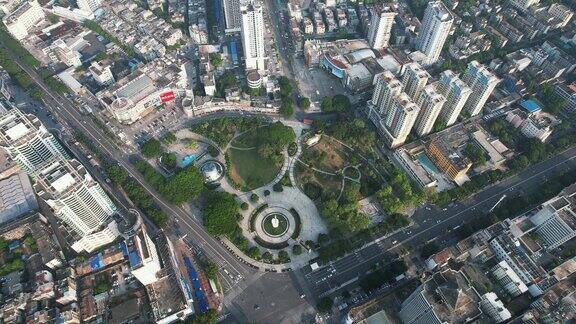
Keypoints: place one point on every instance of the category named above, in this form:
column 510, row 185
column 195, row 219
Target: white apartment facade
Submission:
column 380, row 28
column 431, row 103
column 78, row 201
column 253, row 36
column 386, row 87
column 508, row 279
column 435, row 29
column 399, row 120
column 414, row 80
column 482, row 82
column 27, row 141
column 232, row 15
column 102, row 74
column 456, row 93
column 89, row 5
column 23, row 19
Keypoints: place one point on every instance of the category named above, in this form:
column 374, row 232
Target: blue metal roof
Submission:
column 198, row 293
column 97, row 262
column 530, row 105
column 234, row 51
column 134, row 259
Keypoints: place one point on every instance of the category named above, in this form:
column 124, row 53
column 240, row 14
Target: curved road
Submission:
column 236, row 270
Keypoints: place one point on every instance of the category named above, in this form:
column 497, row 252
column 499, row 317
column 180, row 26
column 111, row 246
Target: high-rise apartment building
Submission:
column 430, row 102
column 253, row 36
column 399, row 120
column 380, row 27
column 456, row 93
column 414, row 80
column 89, row 5
column 435, row 29
column 386, row 87
column 78, row 201
column 27, row 141
column 232, row 15
column 482, row 82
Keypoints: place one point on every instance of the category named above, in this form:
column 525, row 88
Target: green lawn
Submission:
column 251, row 171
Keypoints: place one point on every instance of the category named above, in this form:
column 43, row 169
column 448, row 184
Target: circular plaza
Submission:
column 274, row 224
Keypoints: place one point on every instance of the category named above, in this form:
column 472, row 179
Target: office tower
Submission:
column 27, row 141
column 78, row 201
column 386, row 86
column 253, row 36
column 233, row 15
column 89, row 5
column 399, row 120
column 414, row 80
column 434, row 31
column 430, row 103
column 380, row 27
column 456, row 93
column 482, row 82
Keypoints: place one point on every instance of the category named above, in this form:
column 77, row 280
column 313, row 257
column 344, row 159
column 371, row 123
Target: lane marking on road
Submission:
column 82, row 125
column 472, row 207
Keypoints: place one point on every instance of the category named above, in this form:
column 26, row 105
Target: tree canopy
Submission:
column 220, row 213
column 151, row 148
column 185, row 184
column 304, row 103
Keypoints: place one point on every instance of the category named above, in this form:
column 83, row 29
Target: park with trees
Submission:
column 257, row 155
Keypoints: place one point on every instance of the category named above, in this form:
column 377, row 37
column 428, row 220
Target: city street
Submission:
column 431, row 223
column 214, row 249
column 239, row 279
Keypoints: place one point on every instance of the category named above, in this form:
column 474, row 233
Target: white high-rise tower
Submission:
column 434, row 31
column 380, row 27
column 414, row 80
column 76, row 198
column 400, row 119
column 430, row 102
column 78, row 201
column 456, row 93
column 386, row 87
column 27, row 141
column 253, row 36
column 482, row 82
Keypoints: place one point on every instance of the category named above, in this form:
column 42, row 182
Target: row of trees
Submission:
column 185, row 184
column 8, row 47
column 287, row 107
column 386, row 274
column 140, row 197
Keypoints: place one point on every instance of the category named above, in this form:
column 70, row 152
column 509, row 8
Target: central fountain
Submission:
column 275, row 221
